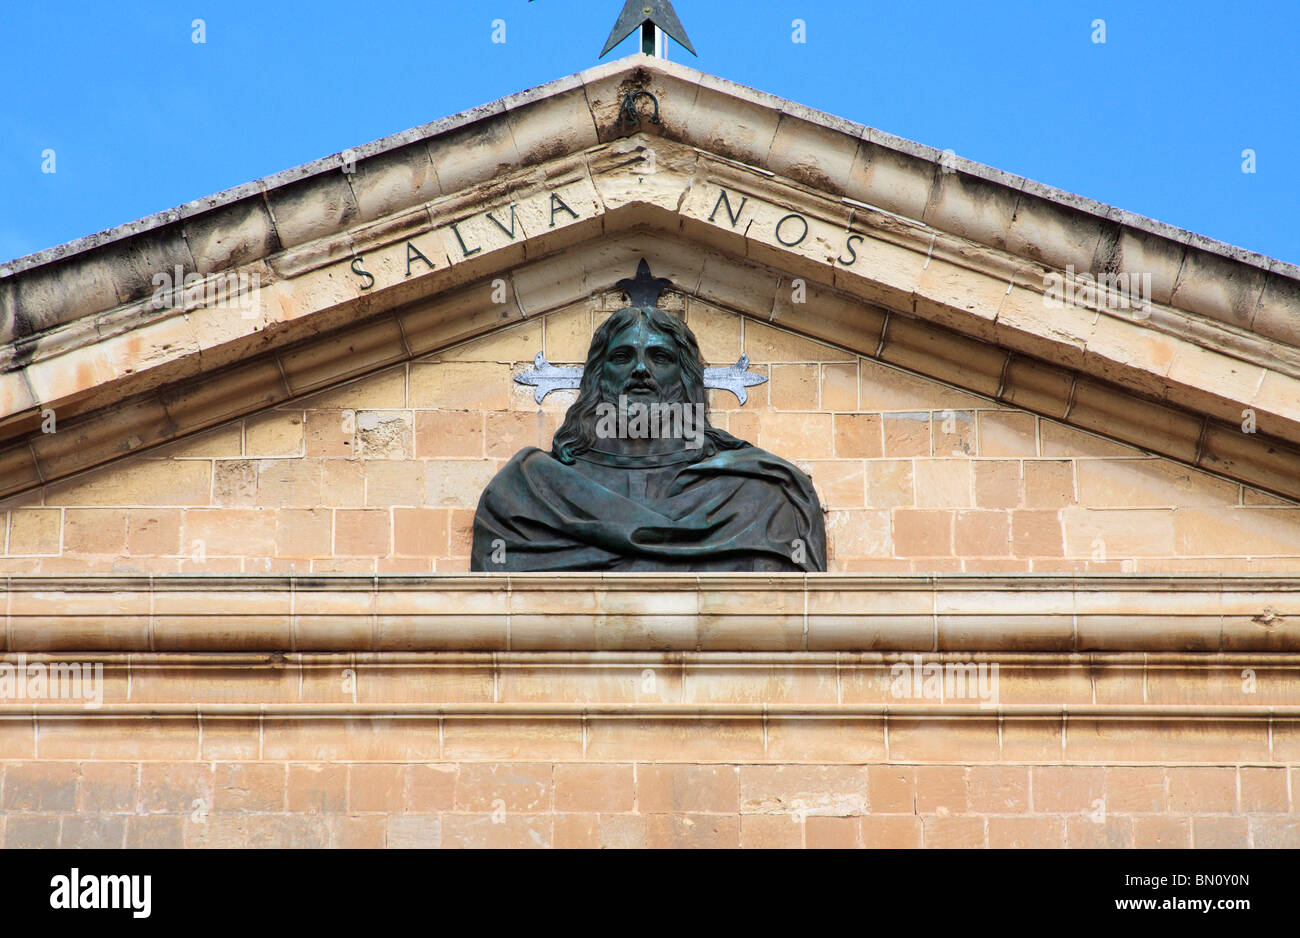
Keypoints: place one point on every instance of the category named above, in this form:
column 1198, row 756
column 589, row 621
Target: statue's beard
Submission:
column 645, row 391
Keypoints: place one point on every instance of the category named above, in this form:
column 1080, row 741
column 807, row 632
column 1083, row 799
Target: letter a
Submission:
column 557, row 205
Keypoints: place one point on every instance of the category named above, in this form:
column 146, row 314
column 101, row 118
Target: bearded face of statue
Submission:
column 642, row 365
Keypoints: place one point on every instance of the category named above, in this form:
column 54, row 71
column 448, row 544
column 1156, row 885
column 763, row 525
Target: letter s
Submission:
column 853, row 255
column 362, row 272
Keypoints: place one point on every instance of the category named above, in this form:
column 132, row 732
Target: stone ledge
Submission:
column 682, row 612
column 218, row 685
column 861, row 736
column 616, row 711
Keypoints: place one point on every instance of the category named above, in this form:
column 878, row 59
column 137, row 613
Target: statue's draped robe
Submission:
column 736, row 510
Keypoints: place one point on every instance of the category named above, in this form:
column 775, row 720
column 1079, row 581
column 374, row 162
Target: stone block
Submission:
column 311, row 208
column 954, row 832
column 362, row 532
column 1102, row 533
column 890, row 483
column 858, row 436
column 997, row 483
column 982, row 533
column 942, row 790
column 1034, row 833
column 1219, row 287
column 1202, row 789
column 883, row 832
column 94, row 531
column 249, row 787
column 1263, row 790
column 700, row 831
column 1275, row 314
column 516, row 788
column 1162, row 833
column 84, row 443
column 1242, row 531
column 274, row 434
column 895, row 181
column 107, row 787
column 594, row 788
column 1135, row 789
column 922, row 533
column 35, row 531
column 460, row 386
column 794, row 387
column 40, row 786
column 153, row 531
column 430, row 788
column 1220, row 833
column 229, row 531
column 303, row 532
column 943, row 483
column 977, row 209
column 486, row 832
column 690, row 789
column 770, row 832
column 230, row 235
column 30, row 832
column 388, row 182
column 155, row 832
column 998, row 789
column 1050, row 484
column 831, row 833
column 414, row 833
column 175, row 788
column 906, row 434
column 317, row 789
column 473, row 153
column 51, row 294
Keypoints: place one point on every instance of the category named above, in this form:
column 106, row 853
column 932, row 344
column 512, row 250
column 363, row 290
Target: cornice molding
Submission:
column 683, row 613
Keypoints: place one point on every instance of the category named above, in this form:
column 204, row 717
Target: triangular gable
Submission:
column 389, row 254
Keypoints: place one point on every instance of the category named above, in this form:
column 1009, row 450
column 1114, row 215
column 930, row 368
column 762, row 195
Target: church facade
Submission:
column 1056, row 446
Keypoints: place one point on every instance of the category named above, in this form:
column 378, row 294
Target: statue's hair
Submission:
column 578, row 432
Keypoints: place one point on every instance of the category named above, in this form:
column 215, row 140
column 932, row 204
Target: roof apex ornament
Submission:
column 647, row 14
column 643, row 289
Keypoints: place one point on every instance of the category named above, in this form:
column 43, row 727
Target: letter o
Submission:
column 798, row 240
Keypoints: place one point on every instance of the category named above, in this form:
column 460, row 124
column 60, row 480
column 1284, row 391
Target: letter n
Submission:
column 723, row 200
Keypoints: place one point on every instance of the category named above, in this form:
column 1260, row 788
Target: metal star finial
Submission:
column 647, row 14
column 644, row 290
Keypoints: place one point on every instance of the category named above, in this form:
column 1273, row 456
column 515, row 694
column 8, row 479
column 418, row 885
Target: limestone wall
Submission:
column 642, row 804
column 592, row 748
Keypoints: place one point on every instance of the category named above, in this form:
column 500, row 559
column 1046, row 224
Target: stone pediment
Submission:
column 253, row 521
column 823, row 228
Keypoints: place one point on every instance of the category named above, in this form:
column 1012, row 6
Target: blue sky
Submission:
column 1154, row 120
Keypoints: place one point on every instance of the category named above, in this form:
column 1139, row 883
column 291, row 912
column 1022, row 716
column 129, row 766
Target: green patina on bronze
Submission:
column 710, row 502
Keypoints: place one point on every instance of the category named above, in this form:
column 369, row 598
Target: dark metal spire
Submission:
column 647, row 14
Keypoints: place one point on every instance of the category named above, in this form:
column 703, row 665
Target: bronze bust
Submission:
column 638, row 480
